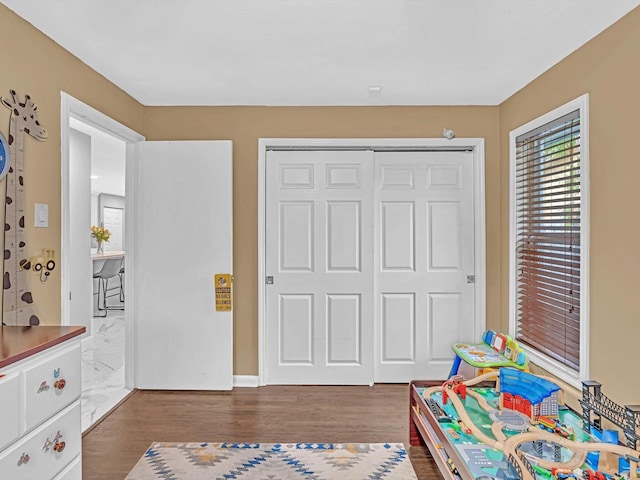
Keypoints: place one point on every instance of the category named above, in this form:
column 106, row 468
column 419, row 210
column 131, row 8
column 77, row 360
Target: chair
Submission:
column 111, row 268
column 121, row 274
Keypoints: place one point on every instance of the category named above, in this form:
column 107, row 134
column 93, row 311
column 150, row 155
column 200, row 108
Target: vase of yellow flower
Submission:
column 101, row 235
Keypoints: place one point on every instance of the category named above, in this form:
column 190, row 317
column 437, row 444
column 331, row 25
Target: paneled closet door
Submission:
column 424, row 251
column 319, row 258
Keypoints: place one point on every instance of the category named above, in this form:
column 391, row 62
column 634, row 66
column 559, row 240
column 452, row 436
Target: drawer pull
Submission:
column 57, row 446
column 24, row 458
column 43, row 387
column 47, row 445
column 59, row 384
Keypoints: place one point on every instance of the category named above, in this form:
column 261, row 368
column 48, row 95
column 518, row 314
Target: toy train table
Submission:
column 509, row 424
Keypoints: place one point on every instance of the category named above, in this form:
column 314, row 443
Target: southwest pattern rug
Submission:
column 274, row 461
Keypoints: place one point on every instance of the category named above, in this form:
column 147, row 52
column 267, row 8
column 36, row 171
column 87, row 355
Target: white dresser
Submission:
column 40, row 429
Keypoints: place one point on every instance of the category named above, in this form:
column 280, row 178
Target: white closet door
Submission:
column 184, row 237
column 424, row 204
column 319, row 254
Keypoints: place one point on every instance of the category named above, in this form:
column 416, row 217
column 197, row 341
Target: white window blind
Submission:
column 548, row 223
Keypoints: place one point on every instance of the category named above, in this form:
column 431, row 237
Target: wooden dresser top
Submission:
column 17, row 343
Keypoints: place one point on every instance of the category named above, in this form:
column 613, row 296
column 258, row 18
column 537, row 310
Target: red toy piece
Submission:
column 456, row 384
column 595, row 475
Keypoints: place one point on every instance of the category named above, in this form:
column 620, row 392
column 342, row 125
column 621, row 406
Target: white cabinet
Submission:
column 51, row 384
column 40, row 437
column 47, row 453
column 72, row 472
column 9, row 400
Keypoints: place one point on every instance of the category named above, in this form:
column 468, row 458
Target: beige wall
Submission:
column 245, row 125
column 33, row 64
column 608, row 69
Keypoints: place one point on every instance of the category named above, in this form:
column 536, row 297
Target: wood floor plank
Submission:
column 266, row 414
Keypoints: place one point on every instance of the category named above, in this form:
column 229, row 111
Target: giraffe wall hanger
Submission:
column 17, row 301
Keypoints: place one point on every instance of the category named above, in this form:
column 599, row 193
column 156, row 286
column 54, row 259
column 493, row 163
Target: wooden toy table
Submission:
column 424, row 430
column 472, row 438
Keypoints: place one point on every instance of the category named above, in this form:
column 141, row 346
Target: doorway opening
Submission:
column 98, row 162
column 100, row 218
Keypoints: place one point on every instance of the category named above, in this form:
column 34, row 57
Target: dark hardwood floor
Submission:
column 266, row 414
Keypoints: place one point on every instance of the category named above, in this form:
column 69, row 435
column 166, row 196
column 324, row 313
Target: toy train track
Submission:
column 543, row 430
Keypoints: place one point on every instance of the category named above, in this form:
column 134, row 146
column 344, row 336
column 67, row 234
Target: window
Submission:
column 549, row 213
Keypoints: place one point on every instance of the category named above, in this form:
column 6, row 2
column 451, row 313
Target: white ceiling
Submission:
column 321, row 52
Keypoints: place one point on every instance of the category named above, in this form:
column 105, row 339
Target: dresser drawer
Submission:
column 52, row 384
column 72, row 472
column 28, row 459
column 9, row 409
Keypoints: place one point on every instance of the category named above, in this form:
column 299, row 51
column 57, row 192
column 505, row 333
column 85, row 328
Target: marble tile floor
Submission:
column 103, row 368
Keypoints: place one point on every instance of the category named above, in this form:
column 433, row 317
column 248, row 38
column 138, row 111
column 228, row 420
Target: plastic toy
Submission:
column 486, row 439
column 497, row 350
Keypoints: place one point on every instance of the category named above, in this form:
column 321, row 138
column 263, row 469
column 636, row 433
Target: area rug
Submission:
column 274, row 461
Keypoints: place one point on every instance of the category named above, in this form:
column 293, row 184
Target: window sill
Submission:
column 568, row 375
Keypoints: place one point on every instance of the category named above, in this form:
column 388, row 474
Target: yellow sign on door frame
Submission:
column 222, row 283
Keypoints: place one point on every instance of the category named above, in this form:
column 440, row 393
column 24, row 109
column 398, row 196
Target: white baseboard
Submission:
column 245, row 380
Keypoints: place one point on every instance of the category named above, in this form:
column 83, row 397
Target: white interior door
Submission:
column 184, row 237
column 424, row 248
column 78, row 255
column 319, row 255
column 114, row 222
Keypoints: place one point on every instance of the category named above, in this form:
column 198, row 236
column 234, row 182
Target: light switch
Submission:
column 42, row 215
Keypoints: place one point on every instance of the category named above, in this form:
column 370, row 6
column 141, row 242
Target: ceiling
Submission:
column 321, row 52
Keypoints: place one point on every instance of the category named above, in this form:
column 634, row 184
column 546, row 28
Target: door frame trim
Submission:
column 476, row 145
column 72, row 107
